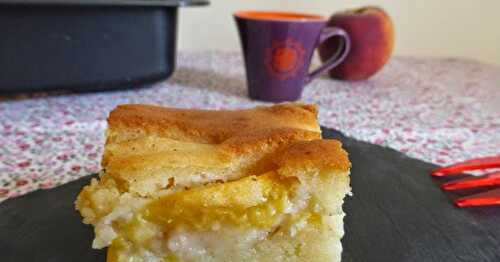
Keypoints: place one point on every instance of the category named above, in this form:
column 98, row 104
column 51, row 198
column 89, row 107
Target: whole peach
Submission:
column 372, row 41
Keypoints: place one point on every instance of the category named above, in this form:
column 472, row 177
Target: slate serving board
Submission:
column 397, row 213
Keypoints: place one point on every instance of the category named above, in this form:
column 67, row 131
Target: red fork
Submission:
column 491, row 197
column 492, row 179
column 469, row 165
column 487, row 198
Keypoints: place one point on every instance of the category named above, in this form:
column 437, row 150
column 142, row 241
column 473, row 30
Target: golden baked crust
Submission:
column 146, row 144
column 209, row 126
column 323, row 154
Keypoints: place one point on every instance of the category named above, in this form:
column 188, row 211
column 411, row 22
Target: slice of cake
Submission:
column 195, row 185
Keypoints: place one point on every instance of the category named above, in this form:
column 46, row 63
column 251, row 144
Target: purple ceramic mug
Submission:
column 278, row 48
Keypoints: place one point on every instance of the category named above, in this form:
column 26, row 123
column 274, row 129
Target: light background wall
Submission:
column 445, row 28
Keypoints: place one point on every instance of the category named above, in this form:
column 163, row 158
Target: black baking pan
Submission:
column 85, row 45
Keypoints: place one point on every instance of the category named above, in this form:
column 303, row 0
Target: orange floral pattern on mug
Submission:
column 284, row 58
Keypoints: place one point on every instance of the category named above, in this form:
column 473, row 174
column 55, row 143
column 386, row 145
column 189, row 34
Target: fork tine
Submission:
column 491, row 197
column 491, row 179
column 473, row 164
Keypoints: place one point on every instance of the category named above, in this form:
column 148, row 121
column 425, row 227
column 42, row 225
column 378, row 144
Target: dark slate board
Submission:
column 397, row 213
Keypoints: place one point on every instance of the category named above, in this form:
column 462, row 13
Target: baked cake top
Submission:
column 210, row 126
column 148, row 145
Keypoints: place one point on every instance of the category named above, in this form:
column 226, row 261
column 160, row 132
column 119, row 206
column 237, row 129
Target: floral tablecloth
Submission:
column 436, row 110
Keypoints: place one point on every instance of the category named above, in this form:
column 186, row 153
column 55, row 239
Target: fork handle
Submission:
column 473, row 164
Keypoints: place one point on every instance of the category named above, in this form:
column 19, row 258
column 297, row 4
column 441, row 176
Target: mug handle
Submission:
column 340, row 54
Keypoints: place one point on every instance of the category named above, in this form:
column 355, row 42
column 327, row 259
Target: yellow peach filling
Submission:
column 151, row 230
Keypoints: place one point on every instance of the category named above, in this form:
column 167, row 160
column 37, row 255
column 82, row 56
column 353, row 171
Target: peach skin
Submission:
column 372, row 42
